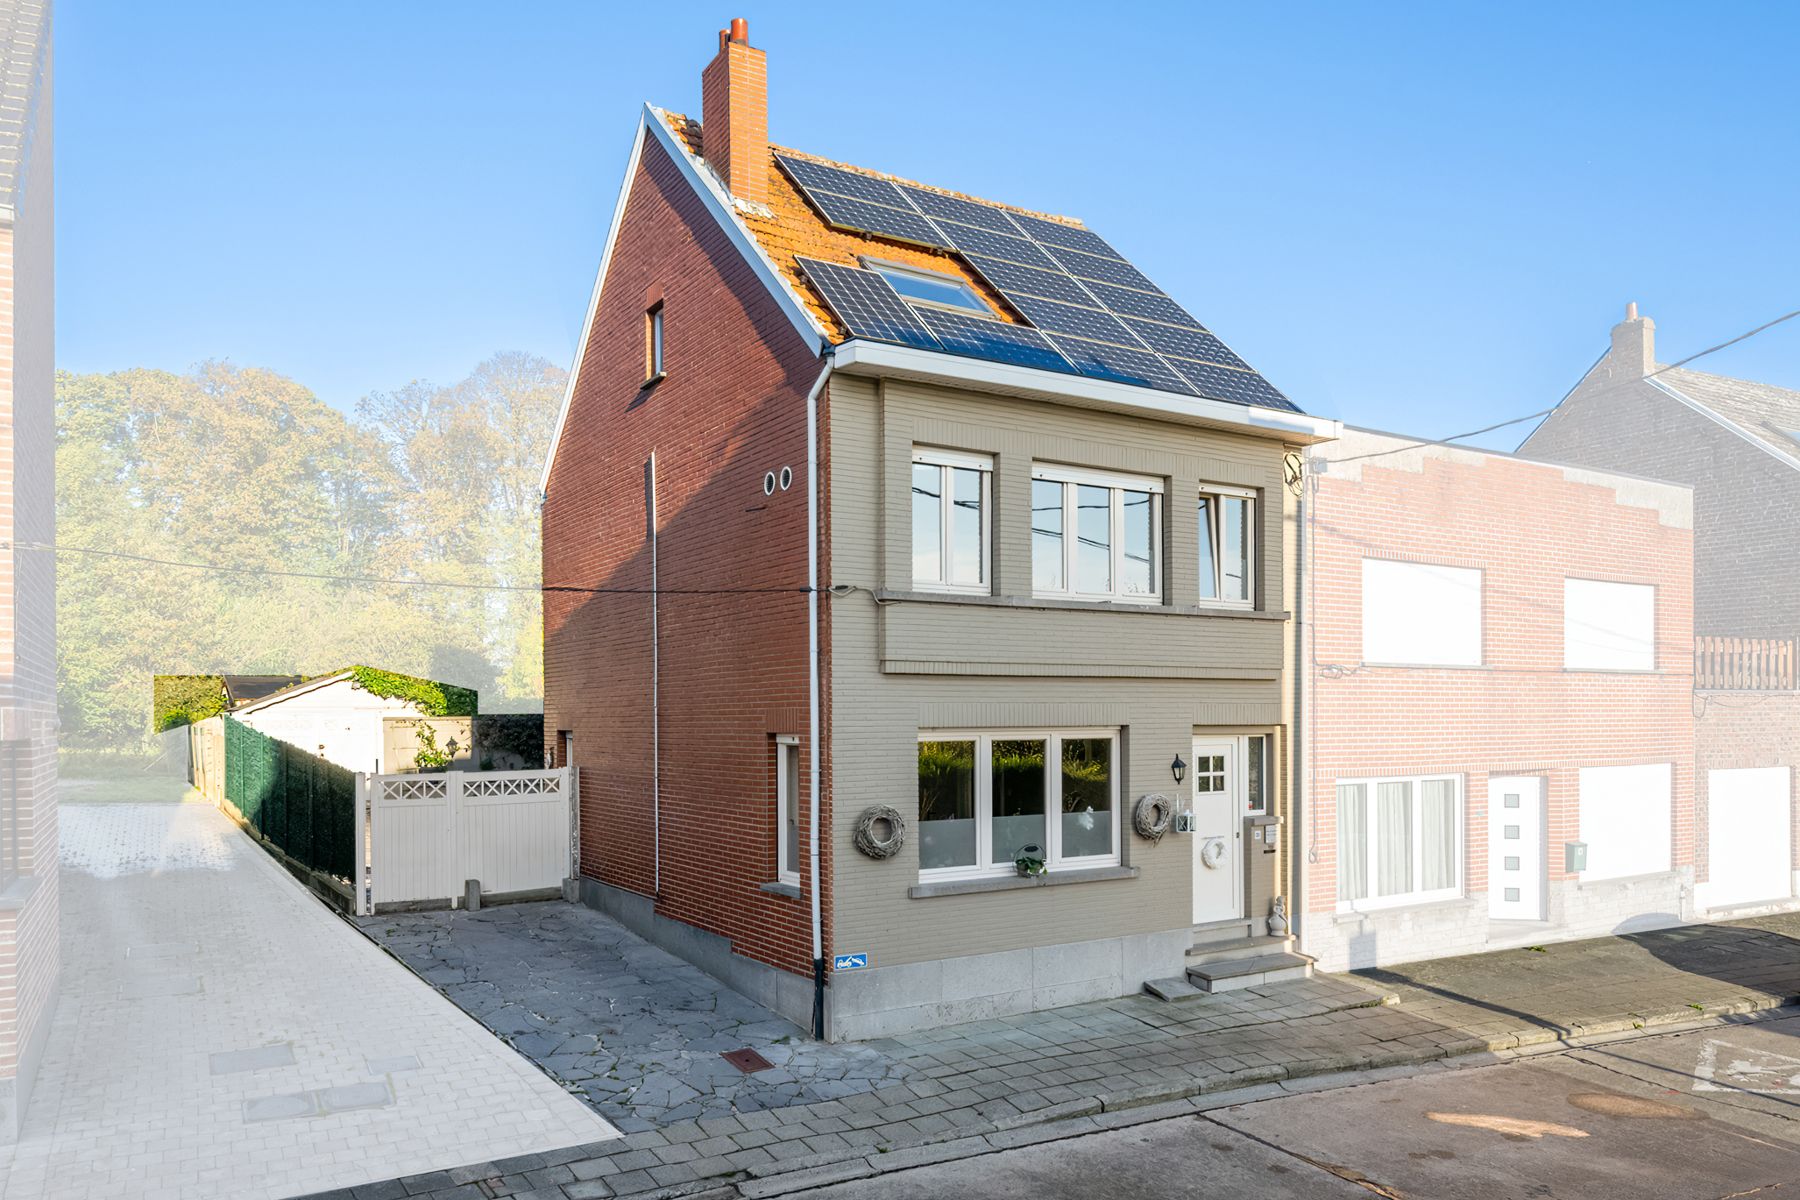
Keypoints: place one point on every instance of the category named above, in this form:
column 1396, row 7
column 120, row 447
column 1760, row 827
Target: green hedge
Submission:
column 298, row 801
column 502, row 737
column 178, row 700
column 433, row 698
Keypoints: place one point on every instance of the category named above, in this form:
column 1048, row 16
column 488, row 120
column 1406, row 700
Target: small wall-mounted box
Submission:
column 1184, row 822
column 1574, row 857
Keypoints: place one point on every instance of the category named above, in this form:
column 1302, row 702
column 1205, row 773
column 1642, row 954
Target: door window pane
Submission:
column 1019, row 788
column 1209, row 553
column 1093, row 539
column 1047, row 535
column 1437, row 834
column 1138, row 568
column 1256, row 778
column 1353, row 841
column 1234, row 546
column 946, row 804
column 1087, row 791
column 927, row 522
column 967, row 557
column 1393, row 845
column 790, row 806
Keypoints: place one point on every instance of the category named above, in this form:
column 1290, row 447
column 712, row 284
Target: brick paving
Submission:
column 222, row 1034
column 993, row 1085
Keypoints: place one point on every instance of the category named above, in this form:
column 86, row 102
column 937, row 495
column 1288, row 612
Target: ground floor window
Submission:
column 1399, row 840
column 787, row 820
column 988, row 799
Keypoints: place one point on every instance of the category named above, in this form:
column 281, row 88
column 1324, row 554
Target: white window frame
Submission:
column 976, row 306
column 1268, row 759
column 1405, row 899
column 786, row 746
column 946, row 461
column 1216, row 492
column 984, row 740
column 653, row 341
column 1071, row 478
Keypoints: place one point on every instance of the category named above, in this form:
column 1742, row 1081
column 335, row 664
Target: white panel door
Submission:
column 1749, row 846
column 1516, row 848
column 1218, row 820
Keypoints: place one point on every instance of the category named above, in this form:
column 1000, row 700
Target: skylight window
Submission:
column 930, row 287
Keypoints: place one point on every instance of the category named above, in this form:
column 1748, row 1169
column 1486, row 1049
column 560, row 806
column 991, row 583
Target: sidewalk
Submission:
column 978, row 1088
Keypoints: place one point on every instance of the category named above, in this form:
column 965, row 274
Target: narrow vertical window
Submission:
column 950, row 520
column 947, row 833
column 1227, row 545
column 1019, row 787
column 1046, row 535
column 1256, row 774
column 653, row 343
column 787, row 789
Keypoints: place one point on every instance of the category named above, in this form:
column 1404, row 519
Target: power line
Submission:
column 396, row 581
column 1457, row 437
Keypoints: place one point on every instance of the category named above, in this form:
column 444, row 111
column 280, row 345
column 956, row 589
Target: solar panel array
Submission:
column 1090, row 311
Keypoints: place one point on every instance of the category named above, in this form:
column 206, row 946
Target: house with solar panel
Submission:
column 918, row 579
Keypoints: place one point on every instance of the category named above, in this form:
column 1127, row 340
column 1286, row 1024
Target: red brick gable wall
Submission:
column 732, row 566
column 1527, row 527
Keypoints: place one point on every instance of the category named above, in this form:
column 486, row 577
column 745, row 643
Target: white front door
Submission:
column 1218, row 820
column 1748, row 836
column 1516, row 848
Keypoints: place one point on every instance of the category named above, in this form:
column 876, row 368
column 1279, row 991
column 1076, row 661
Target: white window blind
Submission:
column 1609, row 626
column 1419, row 614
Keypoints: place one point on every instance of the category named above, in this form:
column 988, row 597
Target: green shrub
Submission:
column 433, row 698
column 178, row 700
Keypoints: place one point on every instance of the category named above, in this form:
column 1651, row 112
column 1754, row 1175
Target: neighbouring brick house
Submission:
column 868, row 496
column 1737, row 444
column 1499, row 668
column 29, row 954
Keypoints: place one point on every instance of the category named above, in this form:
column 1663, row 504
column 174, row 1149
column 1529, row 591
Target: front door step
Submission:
column 1250, row 971
column 1177, row 988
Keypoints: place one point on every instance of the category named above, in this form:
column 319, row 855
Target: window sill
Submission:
column 1007, row 883
column 17, row 894
column 653, row 381
column 790, row 890
column 1045, row 602
column 1349, row 916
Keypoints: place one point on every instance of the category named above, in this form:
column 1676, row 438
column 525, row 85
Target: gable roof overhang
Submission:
column 723, row 211
column 288, row 693
column 885, row 360
column 1718, row 418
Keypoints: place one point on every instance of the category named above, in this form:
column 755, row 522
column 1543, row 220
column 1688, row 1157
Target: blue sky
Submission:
column 1422, row 218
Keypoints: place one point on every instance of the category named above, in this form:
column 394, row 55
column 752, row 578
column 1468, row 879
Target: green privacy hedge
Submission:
column 433, row 698
column 178, row 700
column 299, row 802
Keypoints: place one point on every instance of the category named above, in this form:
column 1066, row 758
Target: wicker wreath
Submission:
column 880, row 831
column 1152, row 814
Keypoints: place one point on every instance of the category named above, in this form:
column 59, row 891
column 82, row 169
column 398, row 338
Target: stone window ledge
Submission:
column 790, row 890
column 1007, row 883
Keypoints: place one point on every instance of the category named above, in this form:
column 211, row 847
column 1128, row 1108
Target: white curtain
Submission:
column 1393, row 839
column 1353, row 841
column 1437, row 834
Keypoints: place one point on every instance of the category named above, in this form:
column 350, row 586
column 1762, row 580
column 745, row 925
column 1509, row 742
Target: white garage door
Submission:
column 1748, row 836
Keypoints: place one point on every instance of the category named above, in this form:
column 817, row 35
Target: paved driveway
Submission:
column 221, row 1034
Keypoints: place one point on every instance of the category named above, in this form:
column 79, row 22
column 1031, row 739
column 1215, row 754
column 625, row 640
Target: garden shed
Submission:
column 369, row 720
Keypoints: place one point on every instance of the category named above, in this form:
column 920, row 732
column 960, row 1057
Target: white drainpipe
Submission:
column 812, row 685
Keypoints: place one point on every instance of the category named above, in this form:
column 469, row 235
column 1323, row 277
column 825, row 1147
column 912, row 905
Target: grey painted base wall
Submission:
column 1387, row 937
column 883, row 1001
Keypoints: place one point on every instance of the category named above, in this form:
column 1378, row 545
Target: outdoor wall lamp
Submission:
column 1178, row 769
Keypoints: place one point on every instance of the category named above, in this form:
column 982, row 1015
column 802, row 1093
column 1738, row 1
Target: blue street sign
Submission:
column 849, row 962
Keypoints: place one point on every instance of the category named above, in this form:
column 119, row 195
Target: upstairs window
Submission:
column 1096, row 536
column 1227, row 533
column 1609, row 626
column 1421, row 614
column 930, row 287
column 950, row 521
column 653, row 343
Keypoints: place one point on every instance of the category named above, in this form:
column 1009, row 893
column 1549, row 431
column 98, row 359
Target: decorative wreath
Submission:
column 880, row 831
column 1152, row 814
column 1213, row 853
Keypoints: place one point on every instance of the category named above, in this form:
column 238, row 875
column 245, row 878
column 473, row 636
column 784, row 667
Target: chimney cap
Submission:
column 740, row 30
column 1631, row 311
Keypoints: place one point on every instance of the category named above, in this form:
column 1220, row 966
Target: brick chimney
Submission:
column 1633, row 346
column 734, row 114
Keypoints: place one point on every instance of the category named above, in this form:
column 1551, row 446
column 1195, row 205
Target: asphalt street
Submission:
column 1704, row 1115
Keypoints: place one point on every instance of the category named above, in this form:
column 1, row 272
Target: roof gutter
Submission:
column 859, row 357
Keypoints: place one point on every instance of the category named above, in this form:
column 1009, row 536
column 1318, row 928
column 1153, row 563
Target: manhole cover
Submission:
column 747, row 1061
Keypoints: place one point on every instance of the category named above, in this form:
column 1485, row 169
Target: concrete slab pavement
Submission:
column 221, row 1034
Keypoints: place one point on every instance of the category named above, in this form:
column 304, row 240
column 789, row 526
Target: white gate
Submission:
column 1748, row 837
column 421, row 837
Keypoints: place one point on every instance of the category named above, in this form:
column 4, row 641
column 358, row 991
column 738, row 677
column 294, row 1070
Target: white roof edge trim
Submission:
column 877, row 358
column 288, row 693
column 724, row 211
column 587, row 323
column 1725, row 422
